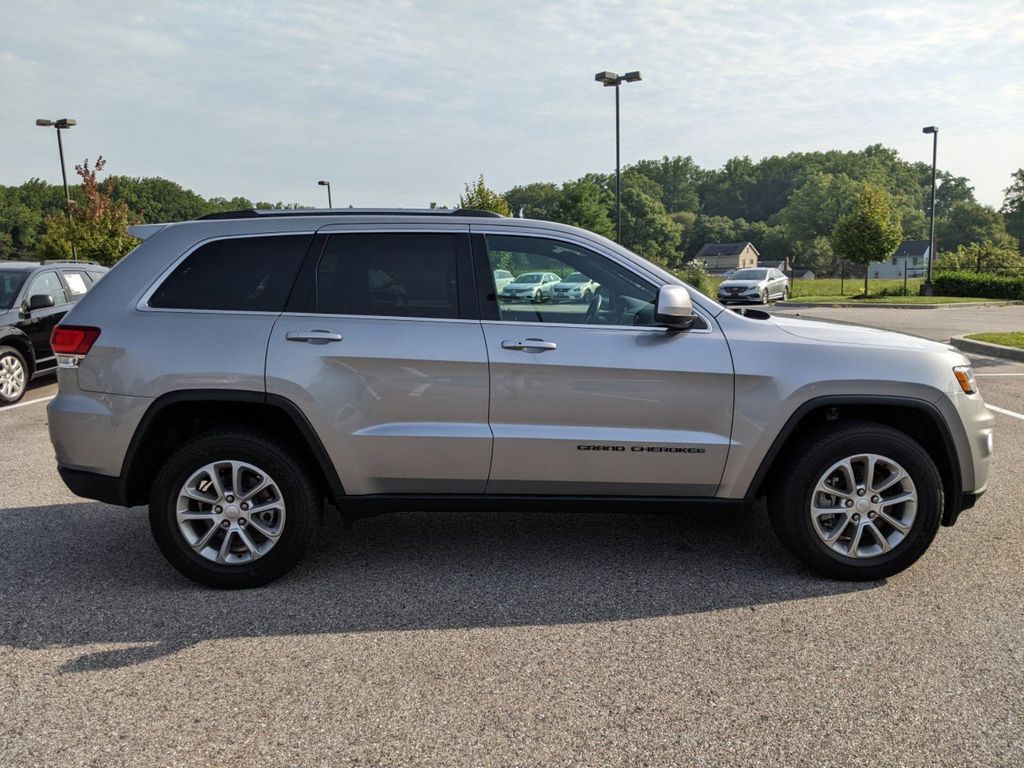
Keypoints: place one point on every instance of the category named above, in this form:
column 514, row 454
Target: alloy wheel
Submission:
column 12, row 377
column 230, row 512
column 863, row 506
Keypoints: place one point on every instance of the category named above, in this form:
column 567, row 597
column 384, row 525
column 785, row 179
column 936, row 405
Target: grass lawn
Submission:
column 1011, row 339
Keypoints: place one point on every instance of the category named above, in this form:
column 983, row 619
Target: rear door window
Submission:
column 242, row 274
column 389, row 274
column 78, row 283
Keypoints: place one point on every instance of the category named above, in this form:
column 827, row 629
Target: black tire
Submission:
column 11, row 354
column 785, row 294
column 302, row 497
column 764, row 296
column 790, row 496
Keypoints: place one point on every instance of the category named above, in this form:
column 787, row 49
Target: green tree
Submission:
column 817, row 256
column 97, row 228
column 481, row 198
column 969, row 222
column 678, row 178
column 869, row 232
column 1013, row 207
column 583, row 203
column 539, row 200
column 153, row 199
column 647, row 228
column 986, row 256
column 816, row 207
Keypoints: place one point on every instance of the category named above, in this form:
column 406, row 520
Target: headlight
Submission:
column 965, row 377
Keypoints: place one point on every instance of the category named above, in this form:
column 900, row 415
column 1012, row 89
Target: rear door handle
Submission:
column 538, row 345
column 316, row 336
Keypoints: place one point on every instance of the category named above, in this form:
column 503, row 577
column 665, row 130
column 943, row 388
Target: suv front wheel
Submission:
column 233, row 509
column 859, row 501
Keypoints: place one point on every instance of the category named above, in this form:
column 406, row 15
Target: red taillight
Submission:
column 73, row 339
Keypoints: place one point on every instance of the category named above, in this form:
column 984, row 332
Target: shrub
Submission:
column 980, row 285
column 694, row 273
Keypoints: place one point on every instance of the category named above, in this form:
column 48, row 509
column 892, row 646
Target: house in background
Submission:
column 721, row 257
column 911, row 254
column 782, row 266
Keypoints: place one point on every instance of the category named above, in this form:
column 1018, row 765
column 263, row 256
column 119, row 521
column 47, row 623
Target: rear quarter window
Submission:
column 253, row 274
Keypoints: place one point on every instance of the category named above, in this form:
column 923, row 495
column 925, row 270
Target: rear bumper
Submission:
column 92, row 485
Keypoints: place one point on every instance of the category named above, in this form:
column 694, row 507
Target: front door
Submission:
column 38, row 324
column 592, row 397
column 387, row 361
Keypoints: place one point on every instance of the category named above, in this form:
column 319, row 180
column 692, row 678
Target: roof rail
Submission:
column 70, row 261
column 255, row 213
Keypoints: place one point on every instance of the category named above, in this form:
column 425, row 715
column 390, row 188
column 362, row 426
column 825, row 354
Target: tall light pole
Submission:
column 612, row 80
column 327, row 184
column 61, row 125
column 927, row 289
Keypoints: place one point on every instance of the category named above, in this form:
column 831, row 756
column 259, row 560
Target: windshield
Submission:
column 576, row 277
column 10, row 284
column 532, row 277
column 749, row 274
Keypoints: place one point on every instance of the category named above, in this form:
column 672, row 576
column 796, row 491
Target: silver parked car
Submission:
column 530, row 286
column 233, row 373
column 502, row 278
column 576, row 287
column 754, row 284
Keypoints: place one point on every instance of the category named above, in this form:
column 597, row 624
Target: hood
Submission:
column 834, row 333
column 741, row 283
column 9, row 316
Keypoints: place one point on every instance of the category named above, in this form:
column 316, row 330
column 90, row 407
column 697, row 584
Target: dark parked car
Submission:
column 34, row 296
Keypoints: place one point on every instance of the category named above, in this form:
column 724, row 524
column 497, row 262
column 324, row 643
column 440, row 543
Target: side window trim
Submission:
column 304, row 298
column 487, row 292
column 142, row 305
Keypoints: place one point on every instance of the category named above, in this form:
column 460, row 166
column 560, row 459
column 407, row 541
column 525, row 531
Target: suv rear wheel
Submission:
column 859, row 501
column 13, row 375
column 232, row 509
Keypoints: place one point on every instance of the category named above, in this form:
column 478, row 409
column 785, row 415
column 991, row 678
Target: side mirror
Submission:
column 674, row 308
column 40, row 301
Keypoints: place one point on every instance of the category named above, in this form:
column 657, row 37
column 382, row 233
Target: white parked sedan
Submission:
column 755, row 284
column 576, row 287
column 502, row 278
column 530, row 286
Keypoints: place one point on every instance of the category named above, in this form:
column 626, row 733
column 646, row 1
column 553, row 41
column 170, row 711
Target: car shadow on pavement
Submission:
column 85, row 574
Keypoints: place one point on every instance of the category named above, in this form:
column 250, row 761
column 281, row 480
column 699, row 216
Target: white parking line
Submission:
column 27, row 402
column 1005, row 412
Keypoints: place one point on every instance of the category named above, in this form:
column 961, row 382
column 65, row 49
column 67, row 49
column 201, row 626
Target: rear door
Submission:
column 595, row 398
column 382, row 350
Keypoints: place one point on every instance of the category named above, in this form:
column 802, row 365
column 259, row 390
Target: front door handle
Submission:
column 317, row 336
column 538, row 345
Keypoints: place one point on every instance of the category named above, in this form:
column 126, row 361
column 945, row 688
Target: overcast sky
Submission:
column 399, row 104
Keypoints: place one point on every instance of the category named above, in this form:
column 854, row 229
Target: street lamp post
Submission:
column 327, row 184
column 612, row 80
column 927, row 289
column 63, row 124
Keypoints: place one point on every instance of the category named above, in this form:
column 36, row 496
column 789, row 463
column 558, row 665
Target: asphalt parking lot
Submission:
column 505, row 639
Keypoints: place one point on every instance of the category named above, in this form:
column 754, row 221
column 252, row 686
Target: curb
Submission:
column 850, row 305
column 985, row 348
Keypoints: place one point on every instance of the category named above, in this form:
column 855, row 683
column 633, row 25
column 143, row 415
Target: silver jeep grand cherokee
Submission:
column 235, row 372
